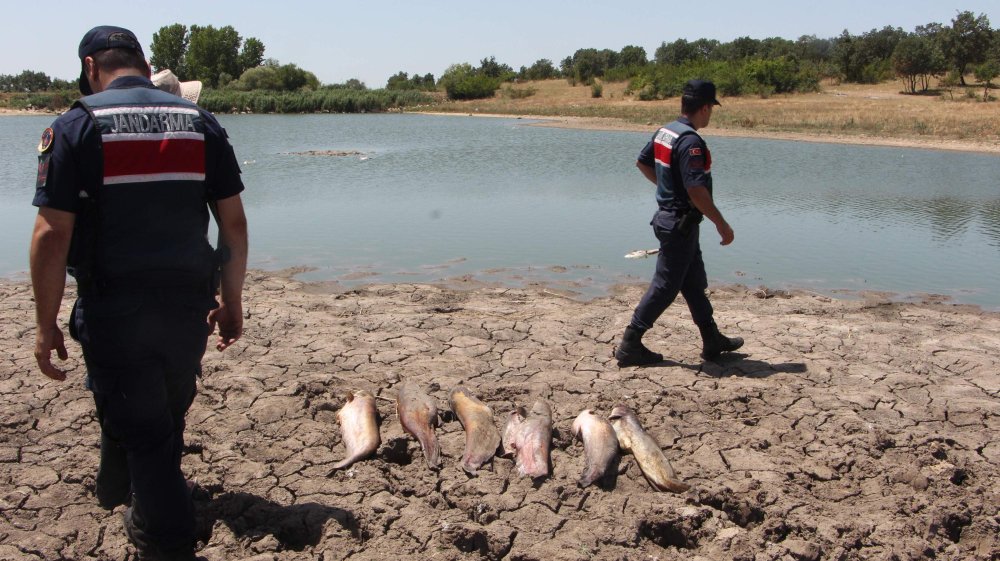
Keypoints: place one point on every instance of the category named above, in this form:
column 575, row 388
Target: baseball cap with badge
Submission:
column 701, row 90
column 101, row 38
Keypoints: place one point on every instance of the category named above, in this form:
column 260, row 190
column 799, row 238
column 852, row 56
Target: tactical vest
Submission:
column 146, row 223
column 670, row 192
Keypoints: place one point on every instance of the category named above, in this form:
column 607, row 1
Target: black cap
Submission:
column 101, row 38
column 702, row 90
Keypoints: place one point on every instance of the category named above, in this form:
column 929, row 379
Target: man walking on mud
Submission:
column 678, row 162
column 124, row 182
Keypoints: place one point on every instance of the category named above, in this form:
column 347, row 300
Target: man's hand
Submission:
column 48, row 340
column 230, row 321
column 726, row 232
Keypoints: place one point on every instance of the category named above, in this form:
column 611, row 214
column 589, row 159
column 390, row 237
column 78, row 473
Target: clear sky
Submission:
column 373, row 40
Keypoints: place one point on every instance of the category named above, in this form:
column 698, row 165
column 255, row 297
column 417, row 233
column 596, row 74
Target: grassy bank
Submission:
column 837, row 110
column 224, row 101
column 321, row 101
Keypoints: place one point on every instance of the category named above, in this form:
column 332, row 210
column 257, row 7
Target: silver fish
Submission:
column 514, row 420
column 418, row 414
column 600, row 445
column 481, row 435
column 359, row 426
column 649, row 456
column 532, row 441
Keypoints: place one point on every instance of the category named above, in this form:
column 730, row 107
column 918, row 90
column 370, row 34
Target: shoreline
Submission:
column 831, row 408
column 618, row 124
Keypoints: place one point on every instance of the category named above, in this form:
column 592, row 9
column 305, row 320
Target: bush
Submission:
column 461, row 81
column 326, row 100
column 596, row 89
column 758, row 76
column 520, row 93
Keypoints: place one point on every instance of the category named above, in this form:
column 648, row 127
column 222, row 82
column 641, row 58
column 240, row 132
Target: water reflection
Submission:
column 506, row 202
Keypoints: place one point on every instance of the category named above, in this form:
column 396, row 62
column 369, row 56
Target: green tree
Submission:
column 915, row 59
column 212, row 52
column 399, row 81
column 632, row 56
column 985, row 73
column 462, row 81
column 738, row 49
column 251, row 55
column 169, row 47
column 812, row 48
column 967, row 41
column 866, row 58
column 493, row 69
column 28, row 81
column 676, row 53
column 588, row 64
column 542, row 69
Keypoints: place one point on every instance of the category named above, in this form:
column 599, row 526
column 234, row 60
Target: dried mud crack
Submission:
column 844, row 430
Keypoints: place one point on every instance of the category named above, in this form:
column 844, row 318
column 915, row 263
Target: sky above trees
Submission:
column 339, row 41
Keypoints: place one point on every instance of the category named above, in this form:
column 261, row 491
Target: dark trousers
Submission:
column 143, row 353
column 679, row 269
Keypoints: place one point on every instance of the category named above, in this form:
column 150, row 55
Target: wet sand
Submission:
column 844, row 429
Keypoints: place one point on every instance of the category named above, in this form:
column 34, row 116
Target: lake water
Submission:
column 432, row 197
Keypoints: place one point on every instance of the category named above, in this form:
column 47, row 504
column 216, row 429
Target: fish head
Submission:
column 583, row 418
column 621, row 411
column 541, row 409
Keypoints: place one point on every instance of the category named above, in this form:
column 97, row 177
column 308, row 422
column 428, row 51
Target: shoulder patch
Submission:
column 48, row 139
column 695, row 152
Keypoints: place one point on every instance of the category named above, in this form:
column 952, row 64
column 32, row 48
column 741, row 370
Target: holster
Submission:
column 688, row 221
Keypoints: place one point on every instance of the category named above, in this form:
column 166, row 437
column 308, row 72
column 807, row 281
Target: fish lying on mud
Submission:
column 514, row 420
column 359, row 426
column 531, row 439
column 653, row 463
column 418, row 414
column 481, row 435
column 600, row 445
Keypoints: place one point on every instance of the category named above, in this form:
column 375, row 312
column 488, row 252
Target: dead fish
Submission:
column 359, row 426
column 532, row 441
column 514, row 420
column 649, row 456
column 600, row 445
column 418, row 414
column 481, row 435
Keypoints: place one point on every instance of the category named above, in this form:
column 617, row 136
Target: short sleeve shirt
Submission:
column 71, row 165
column 690, row 166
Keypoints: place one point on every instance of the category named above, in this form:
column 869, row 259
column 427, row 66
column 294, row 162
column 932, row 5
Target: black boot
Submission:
column 113, row 482
column 715, row 343
column 631, row 351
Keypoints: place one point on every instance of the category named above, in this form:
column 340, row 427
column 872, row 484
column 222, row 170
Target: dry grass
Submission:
column 839, row 112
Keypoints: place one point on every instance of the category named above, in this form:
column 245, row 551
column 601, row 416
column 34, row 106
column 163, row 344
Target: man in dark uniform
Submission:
column 678, row 162
column 124, row 182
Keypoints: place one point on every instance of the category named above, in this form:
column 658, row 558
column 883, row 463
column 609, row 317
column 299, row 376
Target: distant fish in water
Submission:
column 649, row 456
column 481, row 435
column 359, row 426
column 418, row 414
column 600, row 445
column 641, row 253
column 531, row 439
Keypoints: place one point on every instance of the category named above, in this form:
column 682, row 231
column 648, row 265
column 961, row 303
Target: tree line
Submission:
column 760, row 66
column 223, row 60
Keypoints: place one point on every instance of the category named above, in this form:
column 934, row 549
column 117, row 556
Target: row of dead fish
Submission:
column 527, row 435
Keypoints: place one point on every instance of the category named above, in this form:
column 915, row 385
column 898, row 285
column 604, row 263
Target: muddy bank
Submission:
column 843, row 430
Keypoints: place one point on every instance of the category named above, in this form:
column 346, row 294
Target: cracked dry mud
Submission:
column 844, row 430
